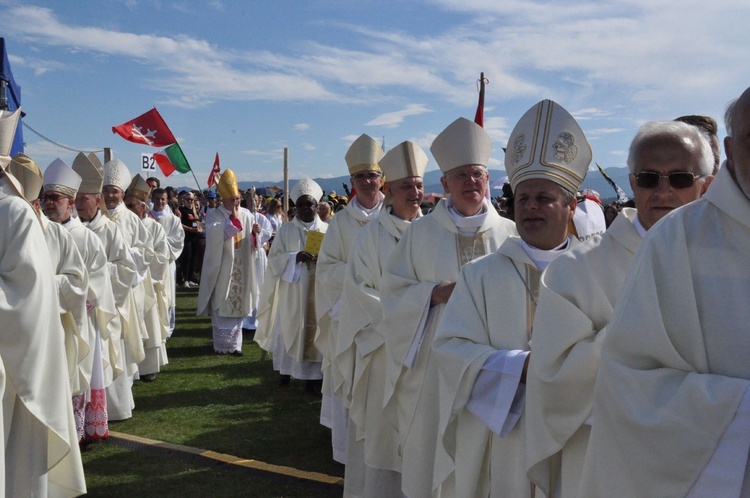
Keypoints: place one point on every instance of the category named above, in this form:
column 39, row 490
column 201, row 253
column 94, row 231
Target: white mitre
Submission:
column 405, row 160
column 462, row 143
column 59, row 177
column 28, row 174
column 363, row 155
column 306, row 186
column 117, row 174
column 547, row 143
column 8, row 125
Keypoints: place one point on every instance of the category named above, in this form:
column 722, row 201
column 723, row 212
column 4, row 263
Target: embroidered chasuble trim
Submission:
column 470, row 247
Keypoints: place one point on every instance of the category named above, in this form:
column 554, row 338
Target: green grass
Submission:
column 222, row 403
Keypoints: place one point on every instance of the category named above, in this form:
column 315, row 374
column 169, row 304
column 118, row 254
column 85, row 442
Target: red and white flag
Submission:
column 147, row 129
column 214, row 172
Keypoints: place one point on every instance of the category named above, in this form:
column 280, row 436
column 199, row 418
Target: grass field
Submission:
column 226, row 404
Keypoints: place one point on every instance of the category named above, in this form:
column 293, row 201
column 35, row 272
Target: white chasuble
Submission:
column 429, row 253
column 674, row 365
column 578, row 293
column 41, row 443
column 287, row 301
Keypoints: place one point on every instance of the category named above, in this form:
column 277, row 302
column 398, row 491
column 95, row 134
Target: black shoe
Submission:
column 248, row 333
column 237, row 352
column 314, row 387
column 284, row 380
column 149, row 377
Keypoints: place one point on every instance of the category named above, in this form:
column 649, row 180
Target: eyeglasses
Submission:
column 475, row 174
column 677, row 180
column 53, row 197
column 372, row 176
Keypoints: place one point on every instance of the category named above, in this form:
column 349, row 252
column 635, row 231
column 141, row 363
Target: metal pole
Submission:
column 286, row 180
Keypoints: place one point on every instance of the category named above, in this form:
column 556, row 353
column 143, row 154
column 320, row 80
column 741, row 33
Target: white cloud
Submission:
column 307, row 146
column 395, row 118
column 301, row 127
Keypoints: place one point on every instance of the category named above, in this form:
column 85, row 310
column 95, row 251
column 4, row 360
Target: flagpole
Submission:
column 286, row 181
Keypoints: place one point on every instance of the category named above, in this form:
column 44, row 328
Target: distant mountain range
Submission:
column 594, row 180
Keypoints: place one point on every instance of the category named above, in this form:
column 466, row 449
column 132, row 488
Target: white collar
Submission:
column 543, row 257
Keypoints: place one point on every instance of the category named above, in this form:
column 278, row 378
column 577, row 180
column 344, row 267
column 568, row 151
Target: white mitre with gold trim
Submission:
column 60, row 178
column 462, row 143
column 306, row 186
column 547, row 143
column 364, row 155
column 405, row 160
column 117, row 174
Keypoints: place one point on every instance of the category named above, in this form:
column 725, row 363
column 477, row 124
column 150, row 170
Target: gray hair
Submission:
column 729, row 115
column 675, row 129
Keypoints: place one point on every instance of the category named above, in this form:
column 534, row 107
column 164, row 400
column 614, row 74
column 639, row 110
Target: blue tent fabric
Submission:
column 12, row 96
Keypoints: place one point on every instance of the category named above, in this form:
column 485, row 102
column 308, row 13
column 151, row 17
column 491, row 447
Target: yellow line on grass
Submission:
column 230, row 459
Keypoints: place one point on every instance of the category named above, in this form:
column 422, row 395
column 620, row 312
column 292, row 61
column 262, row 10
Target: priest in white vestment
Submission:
column 579, row 291
column 482, row 343
column 156, row 317
column 361, row 335
column 671, row 402
column 286, row 313
column 418, row 278
column 228, row 289
column 366, row 177
column 61, row 184
column 41, row 455
column 72, row 289
column 260, row 261
column 116, row 181
column 176, row 241
column 122, row 271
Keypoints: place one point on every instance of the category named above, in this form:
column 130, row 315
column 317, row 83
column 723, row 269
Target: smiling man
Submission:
column 670, row 164
column 418, row 279
column 482, row 344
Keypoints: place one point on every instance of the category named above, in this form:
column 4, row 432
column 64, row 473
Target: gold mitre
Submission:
column 28, row 174
column 227, row 187
column 404, row 160
column 117, row 174
column 306, row 186
column 139, row 188
column 59, row 177
column 363, row 155
column 462, row 143
column 91, row 174
column 547, row 143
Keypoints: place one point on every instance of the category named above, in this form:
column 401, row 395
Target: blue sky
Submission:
column 248, row 78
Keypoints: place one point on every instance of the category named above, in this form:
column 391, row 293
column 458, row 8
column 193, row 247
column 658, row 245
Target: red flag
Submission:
column 214, row 171
column 479, row 116
column 148, row 129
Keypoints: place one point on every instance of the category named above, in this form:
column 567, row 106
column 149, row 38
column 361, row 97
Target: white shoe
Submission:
column 186, row 284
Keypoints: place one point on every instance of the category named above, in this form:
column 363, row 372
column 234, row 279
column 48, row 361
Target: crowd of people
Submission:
column 537, row 344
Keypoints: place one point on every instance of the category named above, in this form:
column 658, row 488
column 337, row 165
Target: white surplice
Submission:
column 431, row 252
column 156, row 317
column 674, row 366
column 577, row 295
column 41, row 445
column 176, row 241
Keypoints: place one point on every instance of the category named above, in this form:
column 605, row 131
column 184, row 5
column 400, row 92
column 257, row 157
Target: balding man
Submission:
column 670, row 165
column 671, row 403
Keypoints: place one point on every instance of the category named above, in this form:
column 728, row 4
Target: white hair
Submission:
column 675, row 129
column 729, row 115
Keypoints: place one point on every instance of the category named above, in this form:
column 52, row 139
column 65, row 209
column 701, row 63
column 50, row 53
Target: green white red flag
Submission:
column 172, row 159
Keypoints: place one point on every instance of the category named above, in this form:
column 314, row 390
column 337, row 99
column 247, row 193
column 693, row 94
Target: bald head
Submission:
column 737, row 144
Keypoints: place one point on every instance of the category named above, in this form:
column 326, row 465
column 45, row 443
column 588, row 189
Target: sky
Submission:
column 247, row 79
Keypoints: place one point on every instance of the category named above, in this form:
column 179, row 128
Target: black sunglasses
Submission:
column 677, row 180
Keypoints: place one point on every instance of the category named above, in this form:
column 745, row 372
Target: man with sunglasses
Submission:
column 670, row 165
column 671, row 404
